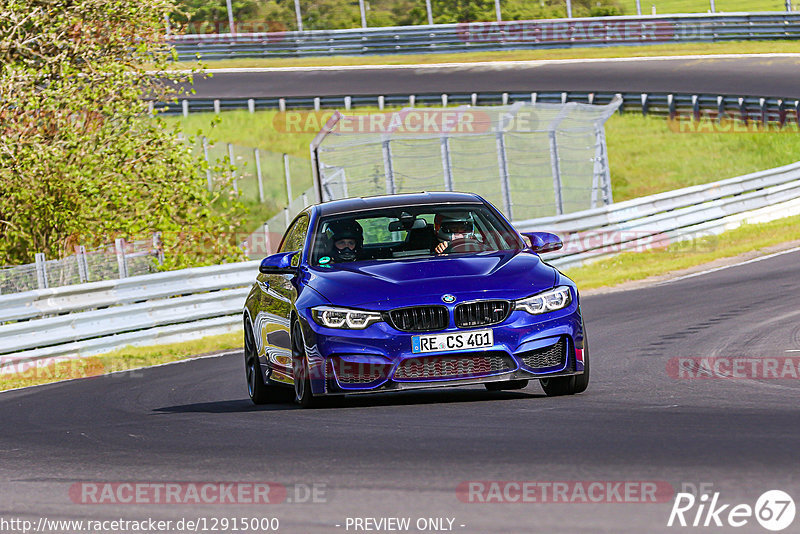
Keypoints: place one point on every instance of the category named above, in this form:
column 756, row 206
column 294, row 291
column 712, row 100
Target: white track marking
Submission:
column 492, row 64
column 760, row 258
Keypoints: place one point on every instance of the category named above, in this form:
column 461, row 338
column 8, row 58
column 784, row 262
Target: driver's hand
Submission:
column 441, row 247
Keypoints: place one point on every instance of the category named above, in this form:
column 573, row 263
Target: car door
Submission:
column 276, row 303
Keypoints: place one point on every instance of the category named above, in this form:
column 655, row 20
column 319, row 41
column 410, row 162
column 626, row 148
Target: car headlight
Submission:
column 547, row 301
column 344, row 317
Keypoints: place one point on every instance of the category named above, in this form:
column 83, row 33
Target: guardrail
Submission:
column 506, row 35
column 658, row 220
column 171, row 306
column 101, row 316
column 747, row 108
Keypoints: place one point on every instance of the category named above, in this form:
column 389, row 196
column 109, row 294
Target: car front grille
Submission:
column 462, row 366
column 420, row 318
column 552, row 356
column 359, row 373
column 481, row 313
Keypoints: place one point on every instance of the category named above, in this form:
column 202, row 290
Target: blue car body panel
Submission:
column 380, row 357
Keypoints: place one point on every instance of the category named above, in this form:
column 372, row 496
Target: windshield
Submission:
column 409, row 232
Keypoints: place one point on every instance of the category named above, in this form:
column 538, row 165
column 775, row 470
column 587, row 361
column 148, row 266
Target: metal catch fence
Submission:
column 529, row 160
column 107, row 262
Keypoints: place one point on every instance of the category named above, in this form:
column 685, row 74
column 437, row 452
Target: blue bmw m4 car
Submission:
column 410, row 291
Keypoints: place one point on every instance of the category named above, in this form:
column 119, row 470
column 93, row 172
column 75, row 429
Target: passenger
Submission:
column 348, row 238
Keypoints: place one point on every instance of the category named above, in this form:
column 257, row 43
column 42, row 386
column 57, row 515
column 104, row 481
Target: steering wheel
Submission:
column 463, row 245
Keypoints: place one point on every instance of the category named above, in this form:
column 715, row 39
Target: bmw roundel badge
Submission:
column 448, row 298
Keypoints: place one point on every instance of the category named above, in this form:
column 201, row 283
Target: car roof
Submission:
column 348, row 205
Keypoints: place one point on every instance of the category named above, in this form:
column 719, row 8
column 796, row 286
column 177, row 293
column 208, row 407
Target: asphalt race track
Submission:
column 405, row 455
column 748, row 76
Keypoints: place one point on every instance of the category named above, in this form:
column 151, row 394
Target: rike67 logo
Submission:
column 774, row 510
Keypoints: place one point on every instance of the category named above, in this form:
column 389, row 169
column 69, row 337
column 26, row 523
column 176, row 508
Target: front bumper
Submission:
column 380, row 358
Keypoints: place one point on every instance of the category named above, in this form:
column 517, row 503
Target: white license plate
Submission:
column 477, row 339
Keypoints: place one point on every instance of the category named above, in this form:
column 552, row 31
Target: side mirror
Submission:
column 280, row 263
column 543, row 241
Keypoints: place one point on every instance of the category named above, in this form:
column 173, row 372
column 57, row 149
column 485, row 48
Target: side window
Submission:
column 295, row 238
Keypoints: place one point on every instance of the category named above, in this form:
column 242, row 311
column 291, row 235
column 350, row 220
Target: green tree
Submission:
column 81, row 162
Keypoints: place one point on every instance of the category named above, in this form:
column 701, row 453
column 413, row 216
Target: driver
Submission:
column 454, row 227
column 347, row 237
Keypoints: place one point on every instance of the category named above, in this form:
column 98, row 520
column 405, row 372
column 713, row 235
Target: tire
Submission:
column 300, row 370
column 560, row 385
column 506, row 385
column 569, row 385
column 259, row 391
column 582, row 380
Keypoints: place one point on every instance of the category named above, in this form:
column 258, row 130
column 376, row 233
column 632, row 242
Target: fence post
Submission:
column 251, row 105
column 363, row 13
column 267, row 243
column 305, row 200
column 83, row 265
column 608, row 195
column 671, row 105
column 287, row 173
column 447, row 164
column 556, row 169
column 502, row 162
column 41, row 270
column 258, row 175
column 122, row 264
column 233, row 169
column 645, row 104
column 159, row 247
column 298, row 15
column 388, row 169
column 216, row 106
column 208, row 164
column 185, row 105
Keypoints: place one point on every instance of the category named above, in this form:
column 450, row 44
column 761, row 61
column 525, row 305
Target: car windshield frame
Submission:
column 495, row 230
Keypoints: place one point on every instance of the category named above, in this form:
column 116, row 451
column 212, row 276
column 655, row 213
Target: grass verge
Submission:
column 632, row 266
column 687, row 49
column 119, row 360
column 619, row 269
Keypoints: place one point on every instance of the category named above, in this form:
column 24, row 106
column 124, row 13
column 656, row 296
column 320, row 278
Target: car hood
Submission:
column 384, row 285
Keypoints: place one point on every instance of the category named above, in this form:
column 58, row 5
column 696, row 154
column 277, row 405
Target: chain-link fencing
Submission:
column 530, row 160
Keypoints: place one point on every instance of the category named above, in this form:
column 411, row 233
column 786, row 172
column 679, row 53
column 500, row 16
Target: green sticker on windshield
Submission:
column 324, row 259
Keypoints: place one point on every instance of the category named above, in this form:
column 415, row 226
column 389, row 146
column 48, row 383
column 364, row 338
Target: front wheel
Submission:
column 259, row 391
column 569, row 385
column 300, row 370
